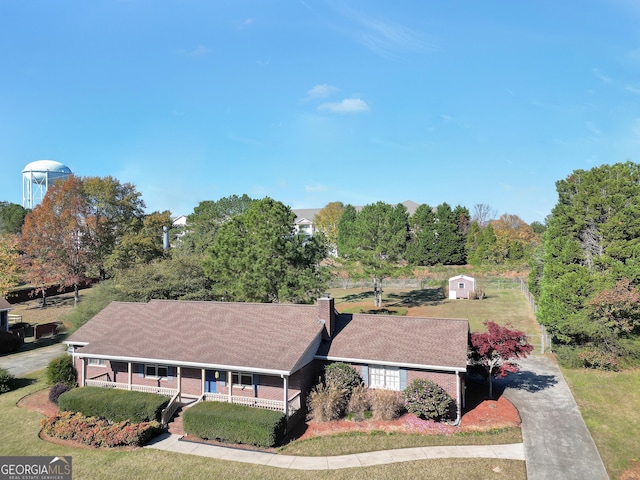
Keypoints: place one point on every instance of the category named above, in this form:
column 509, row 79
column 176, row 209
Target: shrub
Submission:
column 61, row 370
column 6, row 380
column 113, row 405
column 593, row 357
column 232, row 423
column 57, row 390
column 427, row 399
column 385, row 404
column 99, row 433
column 358, row 403
column 325, row 403
column 9, row 343
column 343, row 377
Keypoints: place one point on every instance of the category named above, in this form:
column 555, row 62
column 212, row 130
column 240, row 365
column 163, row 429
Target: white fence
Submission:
column 168, row 392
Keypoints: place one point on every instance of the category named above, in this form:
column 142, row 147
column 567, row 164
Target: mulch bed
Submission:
column 486, row 415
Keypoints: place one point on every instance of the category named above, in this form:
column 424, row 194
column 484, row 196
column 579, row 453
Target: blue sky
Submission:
column 310, row 102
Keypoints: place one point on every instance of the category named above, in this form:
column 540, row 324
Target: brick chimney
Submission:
column 327, row 313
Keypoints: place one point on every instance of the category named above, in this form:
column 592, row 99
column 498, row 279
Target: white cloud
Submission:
column 632, row 89
column 199, row 51
column 592, row 126
column 348, row 105
column 383, row 36
column 318, row 188
column 322, row 90
column 601, row 76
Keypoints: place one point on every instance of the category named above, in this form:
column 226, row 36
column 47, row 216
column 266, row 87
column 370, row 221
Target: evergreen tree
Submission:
column 592, row 242
column 256, row 256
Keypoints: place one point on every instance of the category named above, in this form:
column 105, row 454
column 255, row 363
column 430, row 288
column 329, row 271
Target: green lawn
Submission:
column 501, row 305
column 19, row 436
column 610, row 402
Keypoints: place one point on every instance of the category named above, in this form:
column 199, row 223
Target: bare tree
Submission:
column 483, row 213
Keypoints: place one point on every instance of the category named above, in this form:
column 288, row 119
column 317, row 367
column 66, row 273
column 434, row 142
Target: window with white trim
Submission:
column 156, row 371
column 387, row 378
column 97, row 362
column 461, row 286
column 242, row 379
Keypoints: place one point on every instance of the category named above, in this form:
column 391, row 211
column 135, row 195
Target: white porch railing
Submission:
column 294, row 404
column 170, row 409
column 277, row 405
column 169, row 392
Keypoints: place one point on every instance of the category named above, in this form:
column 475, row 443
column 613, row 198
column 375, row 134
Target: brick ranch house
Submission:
column 261, row 355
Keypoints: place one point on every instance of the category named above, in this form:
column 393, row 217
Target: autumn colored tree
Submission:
column 327, row 221
column 9, row 263
column 497, row 349
column 617, row 308
column 56, row 239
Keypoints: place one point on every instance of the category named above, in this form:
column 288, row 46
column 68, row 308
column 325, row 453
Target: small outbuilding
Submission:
column 5, row 308
column 461, row 286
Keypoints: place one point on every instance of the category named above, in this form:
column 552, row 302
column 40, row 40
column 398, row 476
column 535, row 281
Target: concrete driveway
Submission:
column 557, row 444
column 31, row 360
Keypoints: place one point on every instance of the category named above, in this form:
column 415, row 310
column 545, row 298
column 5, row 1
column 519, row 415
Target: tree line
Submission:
column 237, row 248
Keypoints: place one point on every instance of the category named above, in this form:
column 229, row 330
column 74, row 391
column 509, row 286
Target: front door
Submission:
column 210, row 381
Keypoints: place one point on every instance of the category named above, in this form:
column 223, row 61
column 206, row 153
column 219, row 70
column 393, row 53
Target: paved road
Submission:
column 557, row 443
column 22, row 363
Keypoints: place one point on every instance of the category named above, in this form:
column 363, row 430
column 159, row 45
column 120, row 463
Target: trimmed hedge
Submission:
column 227, row 422
column 113, row 405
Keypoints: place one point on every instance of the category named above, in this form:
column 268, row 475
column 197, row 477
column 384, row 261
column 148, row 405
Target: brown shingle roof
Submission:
column 255, row 336
column 4, row 305
column 404, row 340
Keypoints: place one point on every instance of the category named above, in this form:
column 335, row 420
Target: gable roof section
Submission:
column 462, row 277
column 5, row 305
column 433, row 343
column 257, row 337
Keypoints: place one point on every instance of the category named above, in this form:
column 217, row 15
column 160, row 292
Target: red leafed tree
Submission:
column 56, row 238
column 497, row 349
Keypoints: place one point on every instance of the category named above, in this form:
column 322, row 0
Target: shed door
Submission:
column 210, row 381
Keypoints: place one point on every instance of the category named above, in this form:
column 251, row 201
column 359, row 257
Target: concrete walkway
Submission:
column 173, row 443
column 557, row 443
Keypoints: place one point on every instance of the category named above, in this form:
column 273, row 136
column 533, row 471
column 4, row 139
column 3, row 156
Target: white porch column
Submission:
column 179, row 383
column 203, row 381
column 230, row 384
column 285, row 387
column 84, row 372
column 129, row 375
column 459, row 395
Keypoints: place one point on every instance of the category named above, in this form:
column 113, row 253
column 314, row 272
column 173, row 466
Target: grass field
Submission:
column 501, row 305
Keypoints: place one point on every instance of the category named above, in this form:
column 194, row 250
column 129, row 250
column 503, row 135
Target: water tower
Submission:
column 36, row 178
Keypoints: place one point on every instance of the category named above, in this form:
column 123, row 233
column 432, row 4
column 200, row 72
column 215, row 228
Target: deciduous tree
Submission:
column 11, row 217
column 9, row 263
column 327, row 221
column 56, row 239
column 497, row 349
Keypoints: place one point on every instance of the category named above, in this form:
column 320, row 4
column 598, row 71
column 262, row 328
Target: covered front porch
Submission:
column 189, row 384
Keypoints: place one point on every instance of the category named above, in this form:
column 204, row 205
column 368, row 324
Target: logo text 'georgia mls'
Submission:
column 35, row 468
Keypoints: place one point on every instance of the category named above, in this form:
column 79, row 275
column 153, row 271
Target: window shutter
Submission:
column 141, row 370
column 364, row 373
column 403, row 378
column 256, row 381
column 222, row 378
